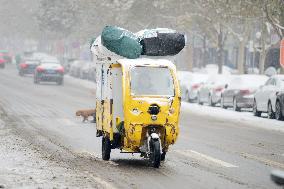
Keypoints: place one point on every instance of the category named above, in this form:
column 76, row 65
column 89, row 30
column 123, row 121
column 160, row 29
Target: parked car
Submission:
column 279, row 106
column 67, row 62
column 28, row 67
column 75, row 68
column 239, row 92
column 210, row 91
column 190, row 84
column 184, row 77
column 85, row 70
column 50, row 72
column 265, row 97
column 92, row 72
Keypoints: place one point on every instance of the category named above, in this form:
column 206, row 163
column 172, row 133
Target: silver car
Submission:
column 265, row 97
column 210, row 91
column 239, row 93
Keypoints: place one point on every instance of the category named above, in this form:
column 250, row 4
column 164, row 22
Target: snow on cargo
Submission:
column 161, row 42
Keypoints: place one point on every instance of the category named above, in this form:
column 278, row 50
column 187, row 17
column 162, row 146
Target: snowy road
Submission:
column 43, row 139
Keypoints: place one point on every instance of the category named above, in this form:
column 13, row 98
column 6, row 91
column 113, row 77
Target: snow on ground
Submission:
column 84, row 83
column 244, row 117
column 22, row 165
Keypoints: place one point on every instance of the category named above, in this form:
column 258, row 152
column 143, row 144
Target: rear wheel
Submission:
column 278, row 111
column 60, row 82
column 106, row 148
column 255, row 111
column 187, row 96
column 199, row 100
column 235, row 105
column 21, row 73
column 222, row 103
column 36, row 80
column 210, row 100
column 270, row 112
column 155, row 153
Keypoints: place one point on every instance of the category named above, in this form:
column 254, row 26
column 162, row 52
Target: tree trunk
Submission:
column 241, row 57
column 220, row 52
column 204, row 52
column 262, row 61
column 189, row 57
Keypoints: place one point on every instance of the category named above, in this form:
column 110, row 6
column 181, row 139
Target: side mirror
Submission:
column 226, row 86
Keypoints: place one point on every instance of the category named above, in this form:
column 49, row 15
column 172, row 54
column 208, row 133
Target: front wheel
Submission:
column 155, row 153
column 235, row 105
column 223, row 103
column 254, row 109
column 106, row 148
column 270, row 112
column 199, row 100
column 210, row 100
column 278, row 111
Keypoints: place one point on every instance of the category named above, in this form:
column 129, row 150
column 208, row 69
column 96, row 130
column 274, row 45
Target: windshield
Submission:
column 151, row 81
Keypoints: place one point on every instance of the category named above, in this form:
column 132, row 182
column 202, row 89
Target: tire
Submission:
column 222, row 103
column 254, row 109
column 235, row 105
column 21, row 74
column 278, row 111
column 60, row 82
column 270, row 113
column 155, row 153
column 163, row 156
column 36, row 80
column 198, row 100
column 210, row 101
column 106, row 148
column 187, row 96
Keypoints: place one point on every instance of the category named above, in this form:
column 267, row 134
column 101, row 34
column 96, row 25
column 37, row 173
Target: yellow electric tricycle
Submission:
column 137, row 107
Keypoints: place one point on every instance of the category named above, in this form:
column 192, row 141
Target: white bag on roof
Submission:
column 102, row 53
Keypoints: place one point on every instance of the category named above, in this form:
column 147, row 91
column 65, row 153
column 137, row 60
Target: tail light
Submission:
column 218, row 89
column 245, row 92
column 195, row 86
column 60, row 70
column 39, row 69
column 23, row 65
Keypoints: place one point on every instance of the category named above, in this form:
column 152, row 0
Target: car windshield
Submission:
column 151, row 81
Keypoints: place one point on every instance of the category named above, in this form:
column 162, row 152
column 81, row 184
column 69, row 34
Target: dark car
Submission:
column 28, row 67
column 279, row 106
column 239, row 92
column 49, row 72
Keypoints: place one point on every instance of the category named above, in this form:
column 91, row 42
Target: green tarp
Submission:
column 121, row 42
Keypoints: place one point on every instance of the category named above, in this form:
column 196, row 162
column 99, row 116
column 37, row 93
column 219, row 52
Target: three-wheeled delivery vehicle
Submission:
column 137, row 98
column 137, row 107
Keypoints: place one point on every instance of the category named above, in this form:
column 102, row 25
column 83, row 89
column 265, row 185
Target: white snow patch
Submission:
column 246, row 118
column 84, row 83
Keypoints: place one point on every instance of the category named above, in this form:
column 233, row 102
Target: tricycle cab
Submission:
column 137, row 99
